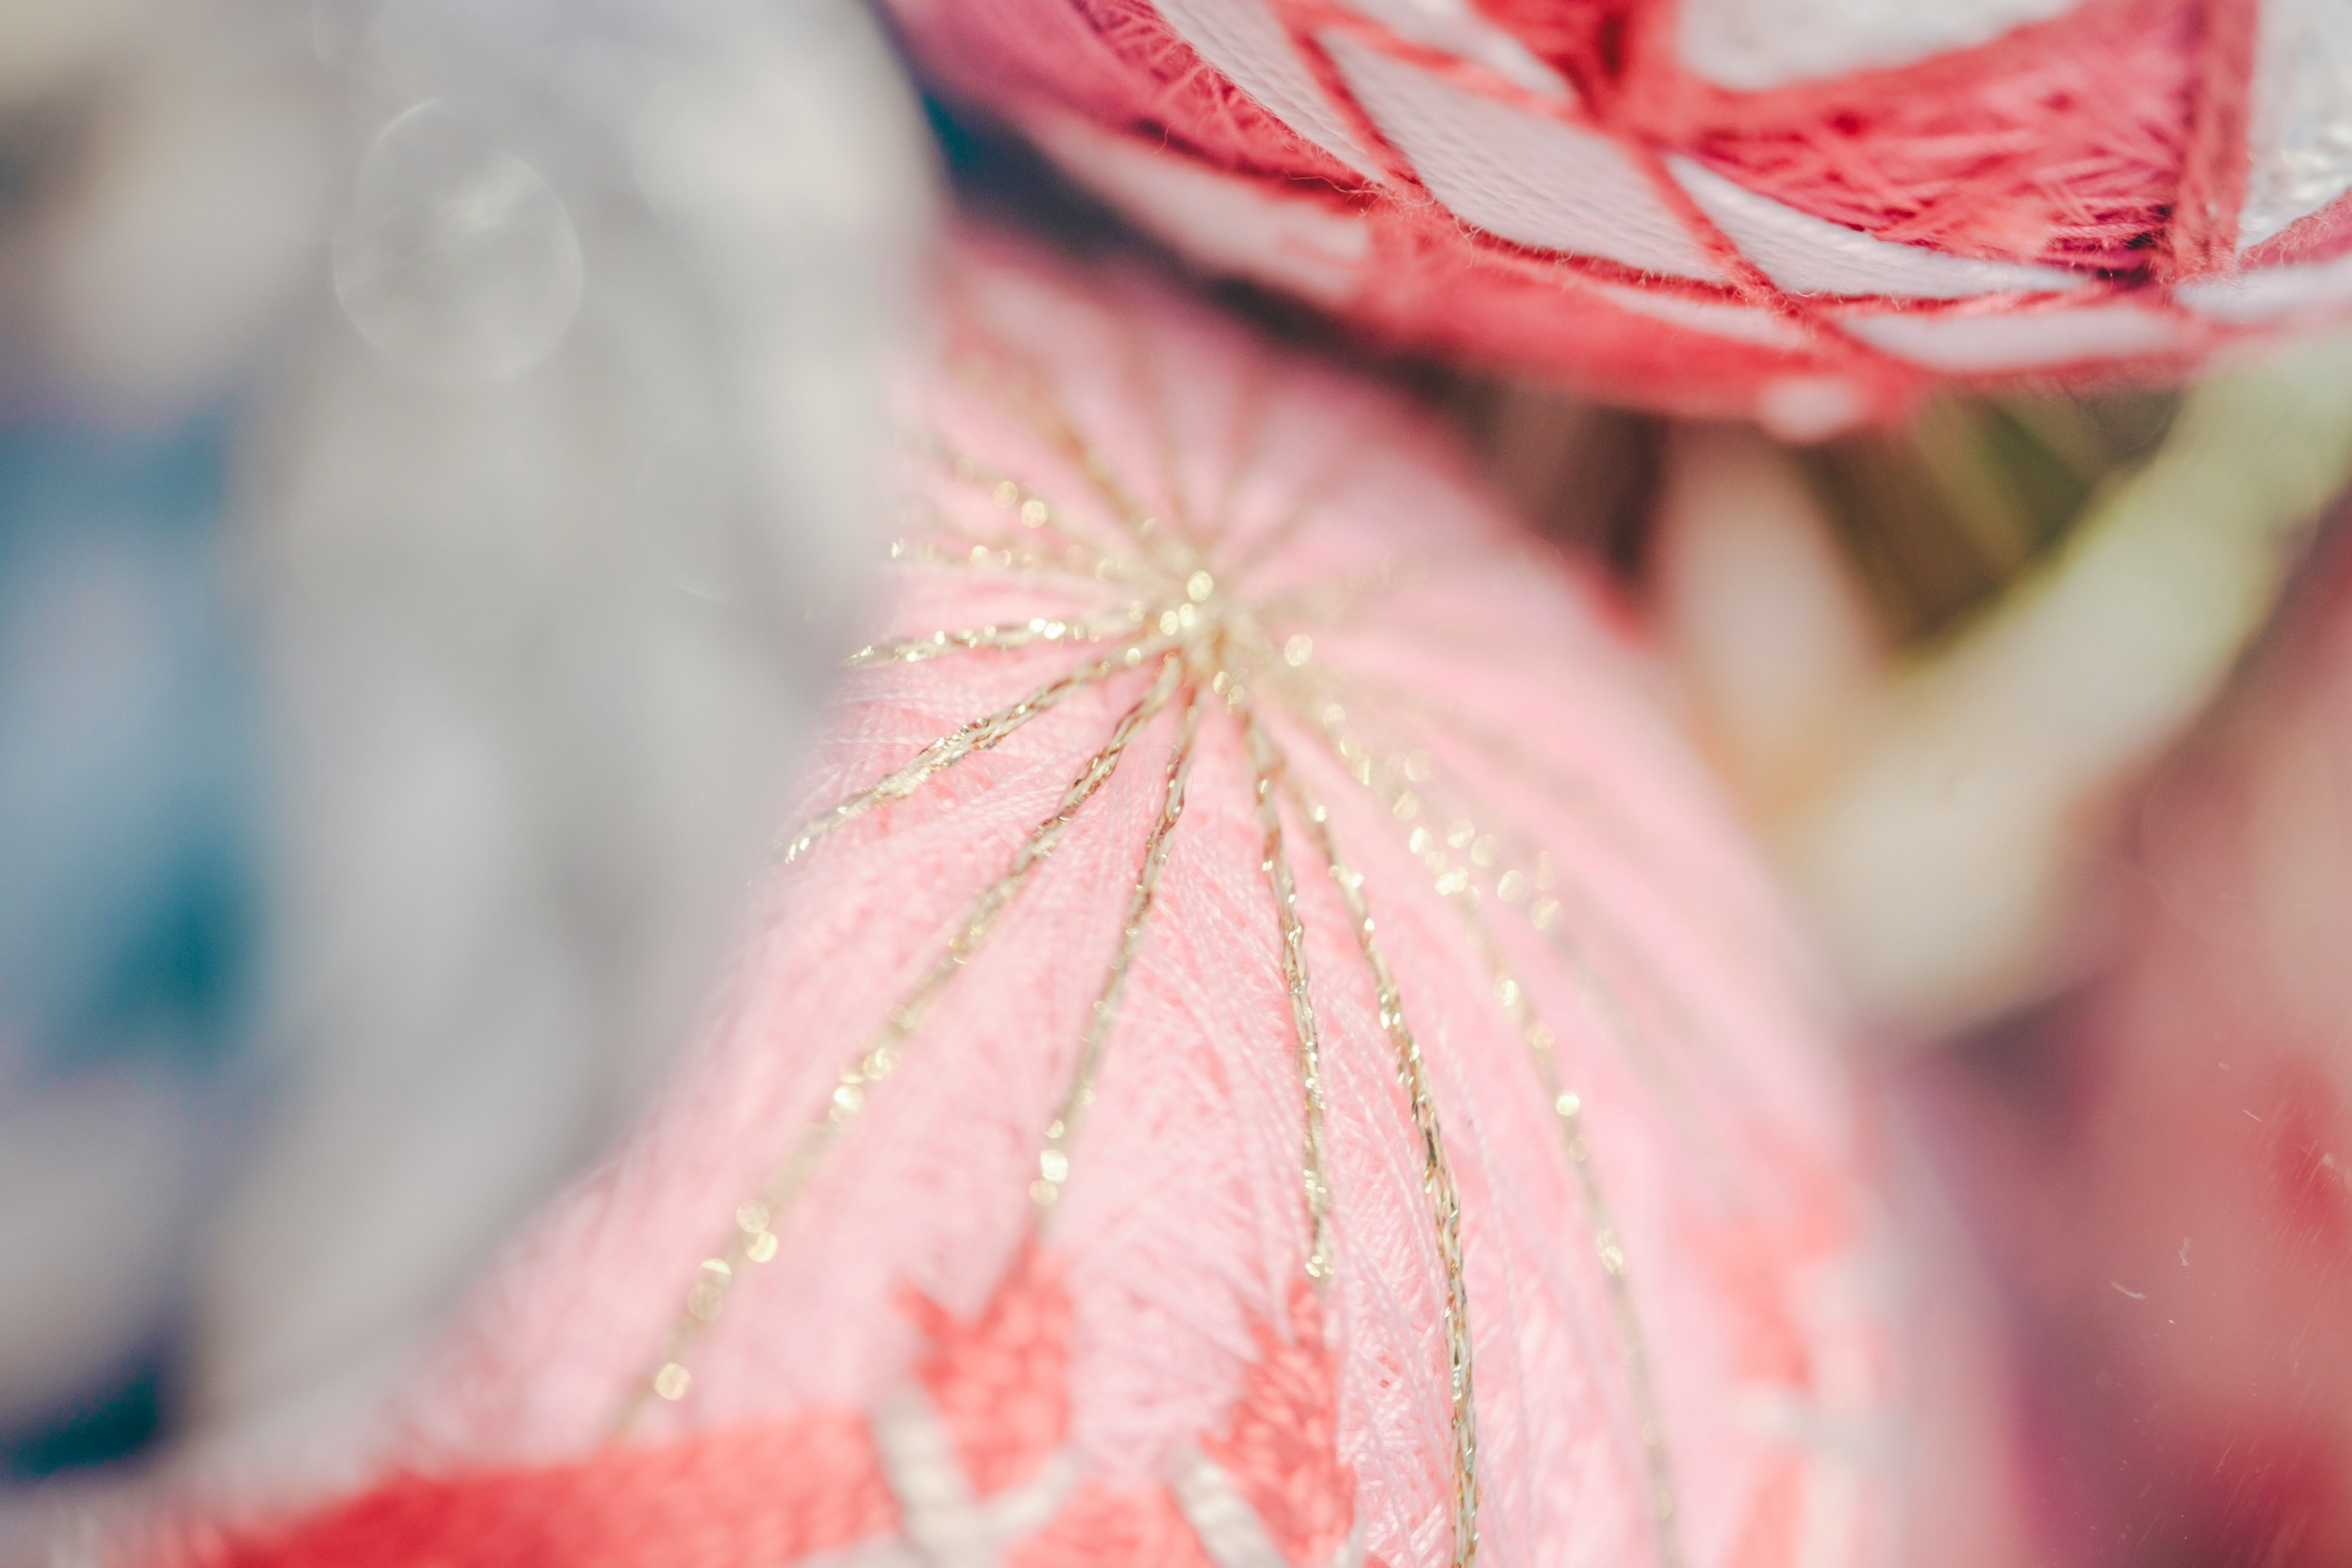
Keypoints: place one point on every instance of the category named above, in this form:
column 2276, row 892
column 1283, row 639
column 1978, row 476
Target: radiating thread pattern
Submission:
column 1191, row 630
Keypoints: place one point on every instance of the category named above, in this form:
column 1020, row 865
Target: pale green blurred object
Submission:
column 1937, row 861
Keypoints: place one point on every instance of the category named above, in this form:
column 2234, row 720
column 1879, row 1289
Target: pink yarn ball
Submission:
column 1808, row 210
column 1527, row 1094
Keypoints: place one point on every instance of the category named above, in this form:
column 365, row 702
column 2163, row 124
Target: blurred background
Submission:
column 433, row 447
column 434, row 441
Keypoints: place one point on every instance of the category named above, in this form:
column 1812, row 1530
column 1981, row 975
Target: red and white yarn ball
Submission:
column 1806, row 210
column 965, row 1329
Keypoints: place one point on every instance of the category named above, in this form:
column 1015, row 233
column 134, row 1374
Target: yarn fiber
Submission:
column 1795, row 209
column 1458, row 1046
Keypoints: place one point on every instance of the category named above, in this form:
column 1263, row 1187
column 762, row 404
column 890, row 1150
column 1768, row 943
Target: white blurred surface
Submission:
column 563, row 331
column 560, row 529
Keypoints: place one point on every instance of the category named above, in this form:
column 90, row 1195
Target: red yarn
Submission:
column 1116, row 62
column 1506, row 308
column 2107, row 146
column 736, row 1500
column 2202, row 235
column 1112, row 1527
column 1282, row 1446
column 769, row 1497
column 2322, row 237
column 1584, row 40
column 1001, row 1382
column 2062, row 142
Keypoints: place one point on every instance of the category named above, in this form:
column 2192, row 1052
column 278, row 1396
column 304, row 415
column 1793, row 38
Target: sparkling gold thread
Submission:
column 1051, row 549
column 1604, row 820
column 1048, row 630
column 1163, row 547
column 1445, row 1201
column 1568, row 1109
column 1454, row 882
column 881, row 1056
column 1266, row 768
column 1527, row 881
column 1041, row 548
column 1035, row 512
column 1193, row 612
column 1054, row 1156
column 984, row 557
column 979, row 735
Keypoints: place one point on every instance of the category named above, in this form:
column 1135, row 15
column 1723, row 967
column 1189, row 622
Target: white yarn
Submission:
column 2020, row 340
column 1456, row 28
column 1519, row 176
column 1751, row 45
column 1228, row 223
column 2258, row 297
column 1716, row 318
column 2299, row 135
column 1808, row 255
column 1245, row 40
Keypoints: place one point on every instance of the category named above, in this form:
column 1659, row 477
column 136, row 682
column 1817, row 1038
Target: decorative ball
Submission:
column 1806, row 210
column 1263, row 1050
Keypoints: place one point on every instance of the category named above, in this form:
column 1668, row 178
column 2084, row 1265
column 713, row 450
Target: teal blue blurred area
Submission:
column 129, row 800
column 116, row 1419
column 127, row 758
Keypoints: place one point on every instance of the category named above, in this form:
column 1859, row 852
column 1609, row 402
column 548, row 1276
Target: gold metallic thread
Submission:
column 1054, row 1156
column 981, row 556
column 1160, row 546
column 1049, row 630
column 1551, row 909
column 880, row 1058
column 1454, row 883
column 979, row 735
column 1198, row 629
column 1265, row 770
column 1527, row 881
column 1437, row 1174
column 1035, row 514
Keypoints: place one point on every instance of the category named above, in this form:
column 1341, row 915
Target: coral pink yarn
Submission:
column 1789, row 208
column 980, row 1339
